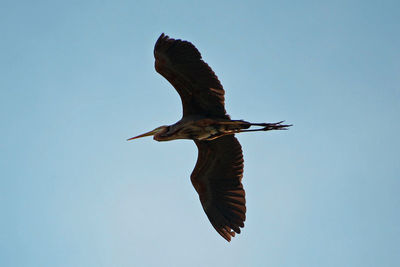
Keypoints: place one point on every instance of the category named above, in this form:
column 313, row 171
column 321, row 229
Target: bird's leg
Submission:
column 268, row 127
column 242, row 126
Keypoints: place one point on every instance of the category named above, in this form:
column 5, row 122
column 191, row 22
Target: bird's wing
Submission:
column 198, row 86
column 217, row 179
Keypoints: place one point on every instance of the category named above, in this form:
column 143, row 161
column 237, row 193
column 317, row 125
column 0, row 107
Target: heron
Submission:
column 217, row 175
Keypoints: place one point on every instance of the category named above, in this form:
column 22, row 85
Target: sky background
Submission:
column 77, row 80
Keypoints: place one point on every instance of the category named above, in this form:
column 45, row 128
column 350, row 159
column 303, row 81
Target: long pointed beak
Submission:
column 153, row 132
column 145, row 134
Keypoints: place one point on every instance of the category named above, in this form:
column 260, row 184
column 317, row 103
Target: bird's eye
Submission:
column 165, row 131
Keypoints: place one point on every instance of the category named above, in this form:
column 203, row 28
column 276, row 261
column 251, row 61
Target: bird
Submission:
column 217, row 175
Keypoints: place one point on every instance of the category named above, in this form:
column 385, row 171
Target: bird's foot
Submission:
column 275, row 126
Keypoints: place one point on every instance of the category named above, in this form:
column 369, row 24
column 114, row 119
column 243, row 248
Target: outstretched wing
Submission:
column 198, row 86
column 217, row 179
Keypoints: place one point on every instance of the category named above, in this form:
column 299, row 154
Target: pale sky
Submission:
column 78, row 80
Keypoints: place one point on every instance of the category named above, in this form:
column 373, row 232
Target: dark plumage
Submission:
column 219, row 169
column 198, row 86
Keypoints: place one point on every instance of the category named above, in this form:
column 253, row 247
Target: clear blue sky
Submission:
column 77, row 79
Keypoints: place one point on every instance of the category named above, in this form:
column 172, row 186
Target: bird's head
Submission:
column 157, row 132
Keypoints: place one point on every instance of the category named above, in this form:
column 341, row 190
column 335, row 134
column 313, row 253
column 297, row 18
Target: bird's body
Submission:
column 206, row 129
column 219, row 168
column 200, row 129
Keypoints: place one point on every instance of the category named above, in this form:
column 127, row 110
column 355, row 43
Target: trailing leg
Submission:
column 269, row 126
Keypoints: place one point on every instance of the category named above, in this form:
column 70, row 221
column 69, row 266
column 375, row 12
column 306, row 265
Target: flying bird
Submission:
column 219, row 168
